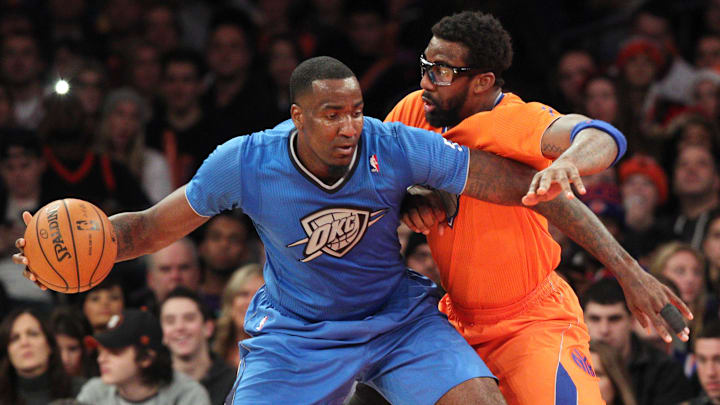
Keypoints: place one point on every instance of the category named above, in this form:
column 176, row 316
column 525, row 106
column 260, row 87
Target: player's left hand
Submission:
column 421, row 213
column 646, row 297
column 553, row 180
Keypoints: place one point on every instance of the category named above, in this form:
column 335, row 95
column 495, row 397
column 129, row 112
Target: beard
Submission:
column 447, row 115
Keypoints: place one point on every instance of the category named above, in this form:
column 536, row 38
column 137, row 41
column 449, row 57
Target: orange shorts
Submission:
column 538, row 347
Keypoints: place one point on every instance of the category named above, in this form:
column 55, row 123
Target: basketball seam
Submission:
column 37, row 238
column 102, row 251
column 72, row 235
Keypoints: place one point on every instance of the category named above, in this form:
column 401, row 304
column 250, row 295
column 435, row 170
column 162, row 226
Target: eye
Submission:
column 357, row 114
column 332, row 116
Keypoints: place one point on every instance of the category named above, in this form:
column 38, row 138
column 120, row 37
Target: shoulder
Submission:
column 94, row 389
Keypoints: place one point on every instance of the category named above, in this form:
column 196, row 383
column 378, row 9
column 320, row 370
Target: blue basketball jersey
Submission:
column 332, row 251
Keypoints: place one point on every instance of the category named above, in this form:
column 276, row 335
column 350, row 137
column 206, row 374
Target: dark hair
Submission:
column 112, row 280
column 710, row 331
column 184, row 292
column 489, row 45
column 236, row 216
column 60, row 381
column 67, row 321
column 160, row 372
column 184, row 56
column 25, row 139
column 238, row 19
column 606, row 291
column 317, row 68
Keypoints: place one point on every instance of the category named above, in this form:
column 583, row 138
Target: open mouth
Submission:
column 428, row 104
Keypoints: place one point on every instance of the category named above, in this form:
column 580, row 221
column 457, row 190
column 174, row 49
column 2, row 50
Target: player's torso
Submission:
column 332, row 250
column 492, row 255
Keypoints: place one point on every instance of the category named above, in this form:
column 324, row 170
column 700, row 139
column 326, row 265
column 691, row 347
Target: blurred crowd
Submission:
column 154, row 86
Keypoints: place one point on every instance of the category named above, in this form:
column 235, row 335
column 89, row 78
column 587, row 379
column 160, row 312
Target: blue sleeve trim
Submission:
column 615, row 133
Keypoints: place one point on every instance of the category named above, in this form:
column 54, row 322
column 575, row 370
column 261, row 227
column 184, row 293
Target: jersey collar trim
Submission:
column 331, row 189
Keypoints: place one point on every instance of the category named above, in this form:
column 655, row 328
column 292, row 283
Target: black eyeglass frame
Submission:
column 426, row 67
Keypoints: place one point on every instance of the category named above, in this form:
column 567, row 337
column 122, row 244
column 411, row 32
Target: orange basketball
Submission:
column 70, row 245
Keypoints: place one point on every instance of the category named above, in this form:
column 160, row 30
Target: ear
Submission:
column 209, row 328
column 483, row 82
column 148, row 359
column 296, row 113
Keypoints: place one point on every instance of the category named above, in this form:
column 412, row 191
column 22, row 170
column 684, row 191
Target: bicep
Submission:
column 556, row 138
column 175, row 216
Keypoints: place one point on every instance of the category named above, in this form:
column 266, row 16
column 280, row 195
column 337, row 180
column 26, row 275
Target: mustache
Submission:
column 426, row 96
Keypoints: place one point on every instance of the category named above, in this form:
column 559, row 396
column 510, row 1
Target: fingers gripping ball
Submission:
column 70, row 245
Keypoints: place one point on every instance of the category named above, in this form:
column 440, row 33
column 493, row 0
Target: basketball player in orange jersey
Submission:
column 497, row 262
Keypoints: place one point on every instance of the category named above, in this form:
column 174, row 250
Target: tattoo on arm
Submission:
column 496, row 179
column 550, row 149
column 130, row 228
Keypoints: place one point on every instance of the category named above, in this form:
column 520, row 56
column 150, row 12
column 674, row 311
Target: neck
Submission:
column 486, row 101
column 26, row 91
column 136, row 391
column 33, row 372
column 27, row 198
column 227, row 88
column 641, row 222
column 693, row 206
column 195, row 365
column 214, row 283
column 184, row 119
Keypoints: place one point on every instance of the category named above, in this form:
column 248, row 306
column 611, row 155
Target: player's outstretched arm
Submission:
column 148, row 231
column 646, row 296
column 579, row 146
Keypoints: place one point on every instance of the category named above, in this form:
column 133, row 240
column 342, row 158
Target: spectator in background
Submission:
column 238, row 99
column 705, row 93
column 70, row 330
column 241, row 288
column 31, row 371
column 143, row 71
column 135, row 367
column 685, row 267
column 283, row 56
column 695, row 185
column 122, row 136
column 187, row 328
column 22, row 69
column 102, row 302
column 181, row 130
column 419, row 258
column 706, row 347
column 74, row 168
column 602, row 100
column 21, row 170
column 7, row 118
column 161, row 27
column 644, row 188
column 614, row 378
column 574, row 67
column 656, row 378
column 175, row 265
column 692, row 129
column 711, row 249
column 89, row 86
column 707, row 52
column 225, row 246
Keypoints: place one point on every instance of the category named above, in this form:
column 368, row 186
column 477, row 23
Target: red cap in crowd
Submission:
column 645, row 165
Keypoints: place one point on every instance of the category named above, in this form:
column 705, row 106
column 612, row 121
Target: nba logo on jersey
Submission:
column 261, row 324
column 374, row 166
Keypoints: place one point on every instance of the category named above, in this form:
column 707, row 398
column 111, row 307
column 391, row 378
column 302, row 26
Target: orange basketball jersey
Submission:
column 493, row 255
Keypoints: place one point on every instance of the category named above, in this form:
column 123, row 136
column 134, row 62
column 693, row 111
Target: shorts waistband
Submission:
column 550, row 285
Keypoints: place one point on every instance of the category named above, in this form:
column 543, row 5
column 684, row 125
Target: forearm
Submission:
column 496, row 179
column 592, row 151
column 133, row 234
column 580, row 224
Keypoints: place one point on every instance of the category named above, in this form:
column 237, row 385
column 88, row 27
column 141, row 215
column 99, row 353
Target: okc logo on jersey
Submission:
column 335, row 231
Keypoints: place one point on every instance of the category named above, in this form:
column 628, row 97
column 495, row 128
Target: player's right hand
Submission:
column 19, row 258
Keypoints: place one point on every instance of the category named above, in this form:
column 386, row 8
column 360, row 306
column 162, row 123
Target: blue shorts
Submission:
column 407, row 351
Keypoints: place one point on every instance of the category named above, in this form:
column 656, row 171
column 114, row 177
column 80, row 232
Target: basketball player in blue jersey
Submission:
column 324, row 191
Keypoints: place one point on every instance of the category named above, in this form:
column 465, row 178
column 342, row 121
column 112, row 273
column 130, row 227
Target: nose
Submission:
column 348, row 128
column 426, row 83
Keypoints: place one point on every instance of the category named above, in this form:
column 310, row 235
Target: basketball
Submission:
column 70, row 245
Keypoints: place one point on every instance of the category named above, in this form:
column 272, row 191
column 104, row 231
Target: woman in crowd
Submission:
column 31, row 371
column 242, row 286
column 70, row 330
column 613, row 374
column 122, row 136
column 102, row 302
